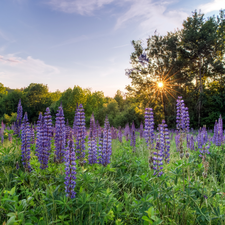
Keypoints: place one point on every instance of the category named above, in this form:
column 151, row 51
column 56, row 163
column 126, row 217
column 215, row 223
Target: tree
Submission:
column 201, row 48
column 37, row 99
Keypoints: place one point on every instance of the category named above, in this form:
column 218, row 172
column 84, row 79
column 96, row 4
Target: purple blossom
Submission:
column 158, row 160
column 80, row 134
column 92, row 149
column 120, row 135
column 19, row 118
column 26, row 141
column 60, row 135
column 149, row 127
column 100, row 145
column 127, row 132
column 107, row 144
column 70, row 169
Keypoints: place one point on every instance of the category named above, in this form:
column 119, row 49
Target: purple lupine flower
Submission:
column 75, row 122
column 92, row 149
column 107, row 144
column 100, row 145
column 215, row 135
column 70, row 169
column 192, row 143
column 164, row 141
column 10, row 138
column 40, row 123
column 60, row 135
column 182, row 124
column 204, row 150
column 149, row 127
column 80, row 134
column 132, row 137
column 127, row 132
column 2, row 132
column 120, row 135
column 157, row 160
column 45, row 140
column 26, row 141
column 19, row 118
column 141, row 130
column 220, row 129
column 114, row 132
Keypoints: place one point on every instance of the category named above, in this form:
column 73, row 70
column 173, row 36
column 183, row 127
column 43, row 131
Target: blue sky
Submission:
column 63, row 43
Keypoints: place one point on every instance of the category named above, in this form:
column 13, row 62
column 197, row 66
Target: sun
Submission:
column 160, row 84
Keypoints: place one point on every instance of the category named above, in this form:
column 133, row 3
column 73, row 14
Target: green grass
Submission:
column 124, row 192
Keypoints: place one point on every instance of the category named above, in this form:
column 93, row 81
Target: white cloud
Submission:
column 215, row 5
column 152, row 15
column 17, row 70
column 82, row 7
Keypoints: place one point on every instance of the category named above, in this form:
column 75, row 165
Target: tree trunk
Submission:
column 201, row 90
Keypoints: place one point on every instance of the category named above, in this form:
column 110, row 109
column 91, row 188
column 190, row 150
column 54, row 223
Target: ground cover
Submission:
column 123, row 192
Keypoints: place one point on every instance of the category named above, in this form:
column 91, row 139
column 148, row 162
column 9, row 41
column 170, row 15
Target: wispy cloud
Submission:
column 30, row 69
column 82, row 7
column 152, row 15
column 215, row 5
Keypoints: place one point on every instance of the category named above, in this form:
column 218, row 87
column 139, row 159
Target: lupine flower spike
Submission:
column 26, row 141
column 70, row 169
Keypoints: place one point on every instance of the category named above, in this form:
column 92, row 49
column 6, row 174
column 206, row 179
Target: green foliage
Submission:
column 9, row 119
column 124, row 192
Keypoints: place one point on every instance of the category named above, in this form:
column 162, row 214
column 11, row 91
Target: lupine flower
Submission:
column 133, row 137
column 182, row 124
column 204, row 151
column 114, row 133
column 92, row 149
column 127, row 132
column 100, row 145
column 157, row 160
column 70, row 169
column 75, row 130
column 2, row 132
column 32, row 134
column 45, row 139
column 80, row 130
column 60, row 135
column 149, row 127
column 19, row 118
column 220, row 128
column 107, row 144
column 120, row 135
column 17, row 165
column 164, row 141
column 40, row 123
column 26, row 141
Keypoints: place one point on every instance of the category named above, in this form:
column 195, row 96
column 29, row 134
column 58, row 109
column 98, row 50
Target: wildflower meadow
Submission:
column 53, row 173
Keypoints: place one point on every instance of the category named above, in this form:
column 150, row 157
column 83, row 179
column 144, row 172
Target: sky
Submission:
column 63, row 43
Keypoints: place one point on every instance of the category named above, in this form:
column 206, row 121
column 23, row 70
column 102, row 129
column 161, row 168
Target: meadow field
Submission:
column 124, row 191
